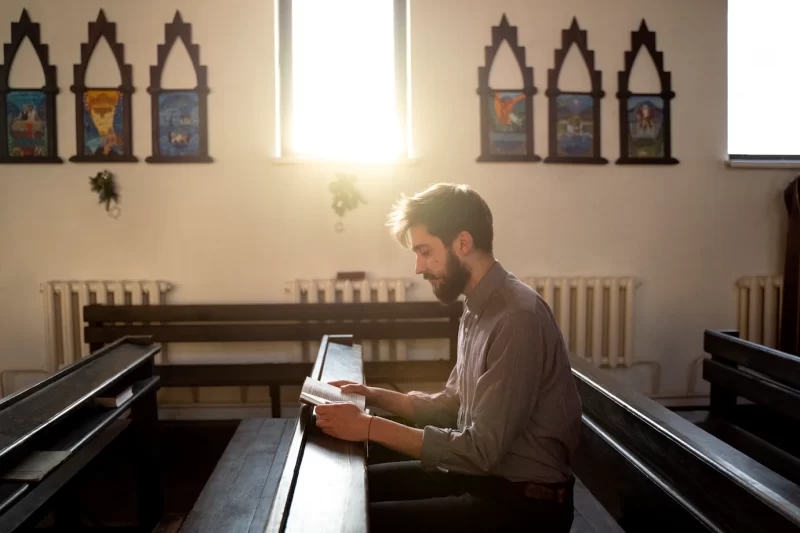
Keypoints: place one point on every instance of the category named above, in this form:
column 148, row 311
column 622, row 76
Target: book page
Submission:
column 329, row 392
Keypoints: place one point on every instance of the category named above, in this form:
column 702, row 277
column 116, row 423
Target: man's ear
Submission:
column 462, row 244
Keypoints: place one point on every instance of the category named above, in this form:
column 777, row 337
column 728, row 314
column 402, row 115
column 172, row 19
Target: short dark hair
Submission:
column 446, row 210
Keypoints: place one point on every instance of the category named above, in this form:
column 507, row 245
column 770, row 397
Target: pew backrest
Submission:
column 741, row 368
column 654, row 470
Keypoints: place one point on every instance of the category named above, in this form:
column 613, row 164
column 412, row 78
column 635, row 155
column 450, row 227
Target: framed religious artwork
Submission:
column 574, row 116
column 506, row 112
column 645, row 125
column 103, row 129
column 28, row 114
column 180, row 128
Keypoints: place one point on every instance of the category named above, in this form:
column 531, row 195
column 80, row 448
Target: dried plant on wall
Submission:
column 28, row 115
column 345, row 197
column 180, row 129
column 104, row 185
column 506, row 113
column 103, row 114
column 574, row 116
column 645, row 125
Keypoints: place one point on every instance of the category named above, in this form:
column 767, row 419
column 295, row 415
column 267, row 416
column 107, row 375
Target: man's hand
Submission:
column 350, row 387
column 344, row 421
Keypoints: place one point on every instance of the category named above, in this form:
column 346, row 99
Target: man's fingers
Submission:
column 340, row 382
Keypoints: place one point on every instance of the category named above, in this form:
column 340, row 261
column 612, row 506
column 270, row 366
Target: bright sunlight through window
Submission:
column 762, row 52
column 343, row 81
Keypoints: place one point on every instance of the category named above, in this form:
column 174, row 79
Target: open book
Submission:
column 315, row 392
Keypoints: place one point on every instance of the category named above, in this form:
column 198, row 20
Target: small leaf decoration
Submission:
column 345, row 196
column 106, row 188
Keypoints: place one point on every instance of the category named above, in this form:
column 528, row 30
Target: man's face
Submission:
column 438, row 264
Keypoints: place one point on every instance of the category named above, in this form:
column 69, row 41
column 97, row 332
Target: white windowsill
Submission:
column 763, row 163
column 289, row 160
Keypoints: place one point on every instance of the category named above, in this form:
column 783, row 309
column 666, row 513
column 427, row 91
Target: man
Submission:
column 495, row 447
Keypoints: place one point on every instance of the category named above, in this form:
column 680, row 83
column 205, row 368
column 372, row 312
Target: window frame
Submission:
column 739, row 160
column 284, row 103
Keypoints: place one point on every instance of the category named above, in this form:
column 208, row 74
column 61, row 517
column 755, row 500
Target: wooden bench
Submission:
column 770, row 379
column 275, row 323
column 639, row 467
column 58, row 419
column 655, row 471
column 274, row 466
column 238, row 495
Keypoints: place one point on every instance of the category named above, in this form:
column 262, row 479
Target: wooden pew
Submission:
column 655, row 471
column 57, row 420
column 279, row 322
column 286, row 475
column 640, row 467
column 771, row 380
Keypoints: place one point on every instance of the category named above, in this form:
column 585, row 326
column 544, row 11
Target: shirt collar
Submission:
column 486, row 286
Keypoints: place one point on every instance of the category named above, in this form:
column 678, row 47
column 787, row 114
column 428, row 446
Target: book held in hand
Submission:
column 315, row 392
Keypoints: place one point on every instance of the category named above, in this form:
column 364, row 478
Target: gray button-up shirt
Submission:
column 510, row 407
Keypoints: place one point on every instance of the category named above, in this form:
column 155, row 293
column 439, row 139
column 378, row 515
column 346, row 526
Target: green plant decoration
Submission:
column 106, row 188
column 345, row 197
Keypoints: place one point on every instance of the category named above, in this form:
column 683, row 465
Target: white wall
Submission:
column 235, row 230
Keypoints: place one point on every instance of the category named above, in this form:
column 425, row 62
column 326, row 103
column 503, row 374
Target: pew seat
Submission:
column 590, row 515
column 238, row 494
column 768, row 378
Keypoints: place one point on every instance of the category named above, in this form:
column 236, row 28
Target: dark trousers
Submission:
column 405, row 497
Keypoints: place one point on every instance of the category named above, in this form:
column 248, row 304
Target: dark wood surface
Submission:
column 642, row 461
column 237, row 496
column 725, row 345
column 790, row 303
column 29, row 508
column 24, row 417
column 771, row 380
column 306, row 331
column 279, row 322
column 270, row 312
column 58, row 414
column 213, row 375
column 331, row 489
column 781, row 398
column 323, row 486
column 590, row 516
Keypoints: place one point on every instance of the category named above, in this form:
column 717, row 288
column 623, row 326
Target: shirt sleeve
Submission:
column 439, row 409
column 505, row 396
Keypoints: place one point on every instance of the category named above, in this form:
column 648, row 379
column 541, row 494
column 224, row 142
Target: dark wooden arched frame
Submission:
column 524, row 150
column 175, row 30
column 102, row 28
column 19, row 31
column 652, row 150
column 574, row 36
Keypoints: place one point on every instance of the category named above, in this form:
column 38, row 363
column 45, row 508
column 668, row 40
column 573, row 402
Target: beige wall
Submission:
column 235, row 230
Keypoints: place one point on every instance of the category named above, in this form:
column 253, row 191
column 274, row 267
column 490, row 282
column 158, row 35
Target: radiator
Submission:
column 759, row 311
column 63, row 312
column 595, row 315
column 313, row 291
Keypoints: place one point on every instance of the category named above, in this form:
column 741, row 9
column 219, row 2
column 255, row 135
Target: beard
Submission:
column 452, row 282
